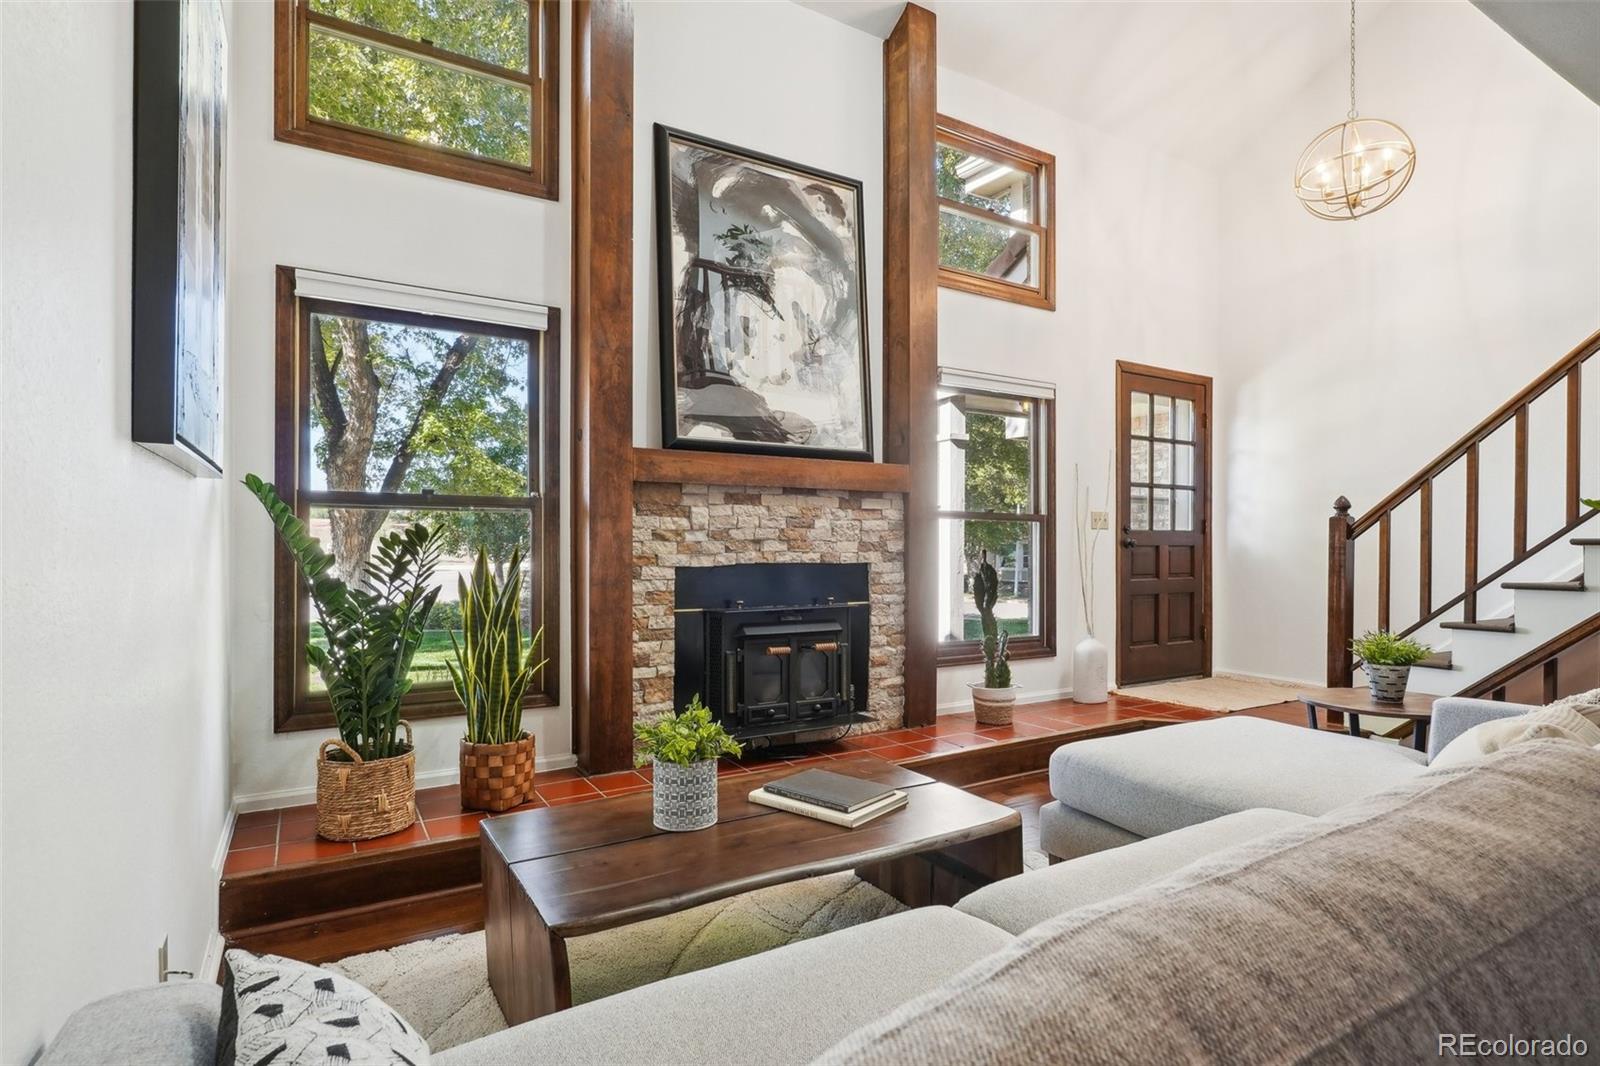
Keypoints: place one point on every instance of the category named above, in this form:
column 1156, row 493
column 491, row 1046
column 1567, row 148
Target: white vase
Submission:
column 1089, row 671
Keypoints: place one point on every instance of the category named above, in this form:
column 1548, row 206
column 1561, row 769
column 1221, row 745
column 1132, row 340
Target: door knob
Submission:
column 1129, row 542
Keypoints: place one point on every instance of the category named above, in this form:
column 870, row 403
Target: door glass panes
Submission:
column 1163, row 463
column 1163, row 416
column 1161, row 509
column 1183, row 464
column 1183, row 420
column 1141, row 414
column 1139, row 508
column 1183, row 510
column 1139, row 461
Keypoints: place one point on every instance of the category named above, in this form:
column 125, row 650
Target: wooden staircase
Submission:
column 1547, row 617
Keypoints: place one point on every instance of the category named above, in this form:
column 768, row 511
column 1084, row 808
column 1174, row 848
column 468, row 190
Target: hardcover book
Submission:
column 824, row 788
column 860, row 816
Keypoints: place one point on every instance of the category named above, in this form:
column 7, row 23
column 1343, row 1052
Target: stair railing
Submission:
column 1344, row 530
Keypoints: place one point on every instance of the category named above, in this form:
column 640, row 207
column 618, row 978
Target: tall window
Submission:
column 996, row 207
column 464, row 89
column 398, row 405
column 996, row 502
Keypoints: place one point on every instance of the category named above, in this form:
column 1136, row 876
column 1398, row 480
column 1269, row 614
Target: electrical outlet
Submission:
column 161, row 959
column 1099, row 520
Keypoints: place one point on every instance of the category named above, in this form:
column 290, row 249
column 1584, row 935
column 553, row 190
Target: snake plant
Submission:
column 373, row 630
column 492, row 670
column 996, row 642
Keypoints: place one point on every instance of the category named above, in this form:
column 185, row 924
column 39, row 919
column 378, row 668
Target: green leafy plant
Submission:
column 493, row 670
column 1592, row 504
column 1381, row 648
column 996, row 642
column 685, row 738
column 372, row 630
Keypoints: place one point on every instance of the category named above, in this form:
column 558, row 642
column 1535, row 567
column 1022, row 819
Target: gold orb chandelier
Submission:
column 1354, row 168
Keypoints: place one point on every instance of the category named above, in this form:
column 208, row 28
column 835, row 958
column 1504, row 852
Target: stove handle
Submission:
column 826, row 645
column 779, row 649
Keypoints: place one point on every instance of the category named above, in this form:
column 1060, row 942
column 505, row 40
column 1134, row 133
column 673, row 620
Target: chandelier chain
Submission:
column 1352, row 113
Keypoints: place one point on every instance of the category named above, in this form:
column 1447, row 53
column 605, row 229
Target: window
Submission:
column 996, row 202
column 399, row 404
column 996, row 500
column 463, row 89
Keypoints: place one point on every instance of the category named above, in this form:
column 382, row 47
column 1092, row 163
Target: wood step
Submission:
column 1439, row 660
column 1488, row 625
column 1575, row 585
column 1587, row 542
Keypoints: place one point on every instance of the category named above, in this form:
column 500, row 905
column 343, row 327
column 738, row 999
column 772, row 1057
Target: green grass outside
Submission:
column 427, row 668
column 1017, row 627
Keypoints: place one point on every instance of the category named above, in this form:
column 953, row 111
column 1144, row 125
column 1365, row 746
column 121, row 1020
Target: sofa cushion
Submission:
column 1158, row 780
column 174, row 1024
column 1548, row 723
column 1466, row 901
column 1066, row 832
column 1019, row 903
column 781, row 1006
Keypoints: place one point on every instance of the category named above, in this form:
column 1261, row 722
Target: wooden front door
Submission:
column 1164, row 509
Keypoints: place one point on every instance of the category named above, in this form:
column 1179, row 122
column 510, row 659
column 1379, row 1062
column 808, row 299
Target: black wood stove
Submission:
column 774, row 648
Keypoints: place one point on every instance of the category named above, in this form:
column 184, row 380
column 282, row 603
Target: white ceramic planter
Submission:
column 1089, row 671
column 992, row 706
column 685, row 796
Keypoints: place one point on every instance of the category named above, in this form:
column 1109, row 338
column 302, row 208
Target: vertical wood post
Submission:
column 1574, row 441
column 1519, row 500
column 911, row 331
column 1469, row 594
column 1341, row 595
column 602, row 383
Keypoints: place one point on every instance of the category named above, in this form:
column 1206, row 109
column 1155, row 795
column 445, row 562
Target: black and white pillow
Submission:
column 278, row 1012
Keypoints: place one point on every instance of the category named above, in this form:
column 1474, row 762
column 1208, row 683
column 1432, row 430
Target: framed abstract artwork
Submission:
column 180, row 79
column 763, row 306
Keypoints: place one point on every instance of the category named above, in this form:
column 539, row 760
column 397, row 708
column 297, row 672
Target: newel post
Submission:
column 1341, row 595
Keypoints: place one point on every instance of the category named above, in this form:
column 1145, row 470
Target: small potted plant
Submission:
column 683, row 750
column 1388, row 660
column 367, row 778
column 491, row 673
column 993, row 700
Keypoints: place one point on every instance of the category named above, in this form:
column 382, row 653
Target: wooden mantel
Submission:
column 683, row 466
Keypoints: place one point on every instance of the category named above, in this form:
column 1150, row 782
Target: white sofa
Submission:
column 1115, row 790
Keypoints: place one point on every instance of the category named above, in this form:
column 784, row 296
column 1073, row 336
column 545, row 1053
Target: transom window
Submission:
column 996, row 201
column 1161, row 481
column 460, row 88
column 996, row 501
column 394, row 407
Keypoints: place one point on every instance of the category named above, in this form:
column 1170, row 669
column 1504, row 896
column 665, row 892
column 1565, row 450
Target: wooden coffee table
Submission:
column 556, row 873
column 1355, row 702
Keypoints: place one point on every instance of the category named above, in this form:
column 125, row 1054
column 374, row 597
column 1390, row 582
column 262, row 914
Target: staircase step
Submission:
column 1575, row 585
column 1488, row 625
column 1439, row 660
column 1587, row 542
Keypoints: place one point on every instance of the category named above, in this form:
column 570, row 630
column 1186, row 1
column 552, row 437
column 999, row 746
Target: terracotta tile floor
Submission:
column 266, row 839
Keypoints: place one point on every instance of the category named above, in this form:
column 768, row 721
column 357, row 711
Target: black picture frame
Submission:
column 179, row 146
column 666, row 283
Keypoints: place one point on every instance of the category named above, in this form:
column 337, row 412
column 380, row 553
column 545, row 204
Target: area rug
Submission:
column 441, row 986
column 1224, row 692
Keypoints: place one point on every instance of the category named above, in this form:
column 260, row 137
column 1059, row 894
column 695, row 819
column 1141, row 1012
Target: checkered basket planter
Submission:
column 685, row 796
column 497, row 777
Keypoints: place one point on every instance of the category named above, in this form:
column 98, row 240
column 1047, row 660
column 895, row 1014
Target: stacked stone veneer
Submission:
column 700, row 525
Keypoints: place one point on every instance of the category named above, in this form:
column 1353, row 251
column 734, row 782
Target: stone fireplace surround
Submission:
column 710, row 525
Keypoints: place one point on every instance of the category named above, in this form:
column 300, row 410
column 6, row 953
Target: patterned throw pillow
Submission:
column 284, row 1013
column 1546, row 723
column 1585, row 703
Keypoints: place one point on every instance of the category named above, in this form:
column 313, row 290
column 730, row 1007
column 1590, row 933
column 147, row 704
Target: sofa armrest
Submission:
column 1454, row 715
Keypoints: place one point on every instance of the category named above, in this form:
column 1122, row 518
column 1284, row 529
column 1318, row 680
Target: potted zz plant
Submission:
column 366, row 779
column 993, row 700
column 491, row 674
column 683, row 750
column 1388, row 660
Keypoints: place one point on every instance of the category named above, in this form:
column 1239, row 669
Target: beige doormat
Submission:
column 1224, row 692
column 441, row 986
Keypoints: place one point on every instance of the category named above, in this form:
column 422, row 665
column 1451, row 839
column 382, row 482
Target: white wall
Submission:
column 1353, row 353
column 301, row 207
column 114, row 662
column 1136, row 234
column 771, row 77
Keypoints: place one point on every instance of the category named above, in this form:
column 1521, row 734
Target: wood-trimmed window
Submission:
column 996, row 499
column 399, row 404
column 464, row 89
column 997, row 201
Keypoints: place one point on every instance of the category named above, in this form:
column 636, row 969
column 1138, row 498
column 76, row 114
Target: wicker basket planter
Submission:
column 992, row 706
column 685, row 796
column 496, row 777
column 358, row 799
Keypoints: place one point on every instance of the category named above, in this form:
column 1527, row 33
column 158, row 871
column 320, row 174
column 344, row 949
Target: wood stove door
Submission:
column 818, row 676
column 763, row 696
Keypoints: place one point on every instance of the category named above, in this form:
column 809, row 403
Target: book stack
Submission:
column 830, row 797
